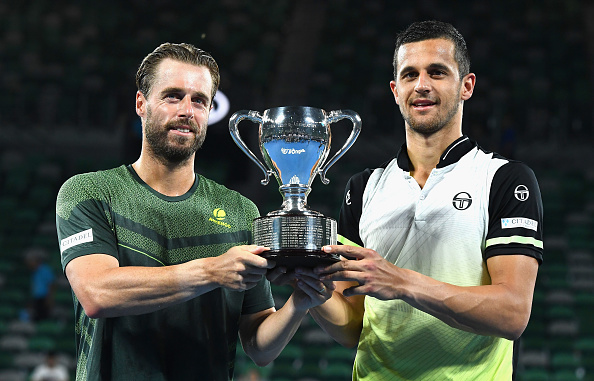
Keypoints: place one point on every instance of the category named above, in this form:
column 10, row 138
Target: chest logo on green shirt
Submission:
column 218, row 217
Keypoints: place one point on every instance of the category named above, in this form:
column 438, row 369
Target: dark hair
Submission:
column 428, row 30
column 187, row 53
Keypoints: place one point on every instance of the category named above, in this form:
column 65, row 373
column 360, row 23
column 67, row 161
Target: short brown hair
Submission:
column 183, row 52
column 428, row 30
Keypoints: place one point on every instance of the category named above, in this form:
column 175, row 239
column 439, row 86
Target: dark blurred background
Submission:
column 67, row 106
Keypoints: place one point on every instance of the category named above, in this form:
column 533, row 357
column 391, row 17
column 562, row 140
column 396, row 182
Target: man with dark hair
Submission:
column 427, row 30
column 147, row 71
column 442, row 243
column 158, row 256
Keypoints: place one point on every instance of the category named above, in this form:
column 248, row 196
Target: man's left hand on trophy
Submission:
column 305, row 282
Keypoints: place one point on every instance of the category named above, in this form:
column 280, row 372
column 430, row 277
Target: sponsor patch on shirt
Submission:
column 519, row 222
column 76, row 239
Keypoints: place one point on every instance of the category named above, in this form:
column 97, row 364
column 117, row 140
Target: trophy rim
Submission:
column 294, row 108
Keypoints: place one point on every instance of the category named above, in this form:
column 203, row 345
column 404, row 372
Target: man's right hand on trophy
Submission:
column 240, row 268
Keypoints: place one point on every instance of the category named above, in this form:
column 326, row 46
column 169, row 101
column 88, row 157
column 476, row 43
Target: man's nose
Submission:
column 186, row 109
column 423, row 83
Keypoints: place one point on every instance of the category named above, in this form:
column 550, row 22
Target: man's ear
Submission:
column 140, row 104
column 394, row 91
column 468, row 83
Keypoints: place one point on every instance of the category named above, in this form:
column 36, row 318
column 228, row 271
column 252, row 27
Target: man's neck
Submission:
column 168, row 179
column 425, row 151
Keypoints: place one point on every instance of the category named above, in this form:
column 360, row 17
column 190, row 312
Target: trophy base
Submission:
column 296, row 240
column 293, row 258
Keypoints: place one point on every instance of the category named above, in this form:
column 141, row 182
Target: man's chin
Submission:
column 174, row 160
column 174, row 155
column 425, row 129
column 176, row 150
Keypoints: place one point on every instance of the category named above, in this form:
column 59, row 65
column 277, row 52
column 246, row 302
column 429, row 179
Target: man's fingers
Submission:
column 258, row 271
column 349, row 252
column 342, row 276
column 254, row 249
column 337, row 267
column 280, row 276
column 257, row 260
column 313, row 279
column 275, row 273
column 251, row 278
column 355, row 290
column 316, row 289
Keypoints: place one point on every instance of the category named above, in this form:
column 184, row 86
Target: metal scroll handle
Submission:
column 335, row 116
column 233, row 122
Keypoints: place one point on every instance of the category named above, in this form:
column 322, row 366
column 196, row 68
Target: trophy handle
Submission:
column 233, row 122
column 335, row 116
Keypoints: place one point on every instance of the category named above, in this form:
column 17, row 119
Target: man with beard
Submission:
column 158, row 256
column 442, row 243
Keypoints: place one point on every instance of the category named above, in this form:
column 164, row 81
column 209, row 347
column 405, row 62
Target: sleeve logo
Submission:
column 518, row 222
column 76, row 239
column 521, row 192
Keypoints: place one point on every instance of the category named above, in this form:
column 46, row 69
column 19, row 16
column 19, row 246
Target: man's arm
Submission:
column 341, row 317
column 105, row 289
column 500, row 309
column 265, row 334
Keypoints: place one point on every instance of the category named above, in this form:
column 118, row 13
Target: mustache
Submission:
column 184, row 122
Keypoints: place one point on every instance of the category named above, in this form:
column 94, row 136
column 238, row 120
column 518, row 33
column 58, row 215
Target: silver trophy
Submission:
column 295, row 142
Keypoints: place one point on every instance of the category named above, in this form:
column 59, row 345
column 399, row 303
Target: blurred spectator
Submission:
column 42, row 285
column 50, row 370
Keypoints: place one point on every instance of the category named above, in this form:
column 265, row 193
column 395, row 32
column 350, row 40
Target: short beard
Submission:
column 428, row 129
column 177, row 151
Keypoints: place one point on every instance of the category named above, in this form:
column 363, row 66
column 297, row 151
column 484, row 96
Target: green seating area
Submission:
column 558, row 342
column 28, row 187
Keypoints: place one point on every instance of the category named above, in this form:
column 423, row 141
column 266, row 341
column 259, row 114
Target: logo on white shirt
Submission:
column 462, row 201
